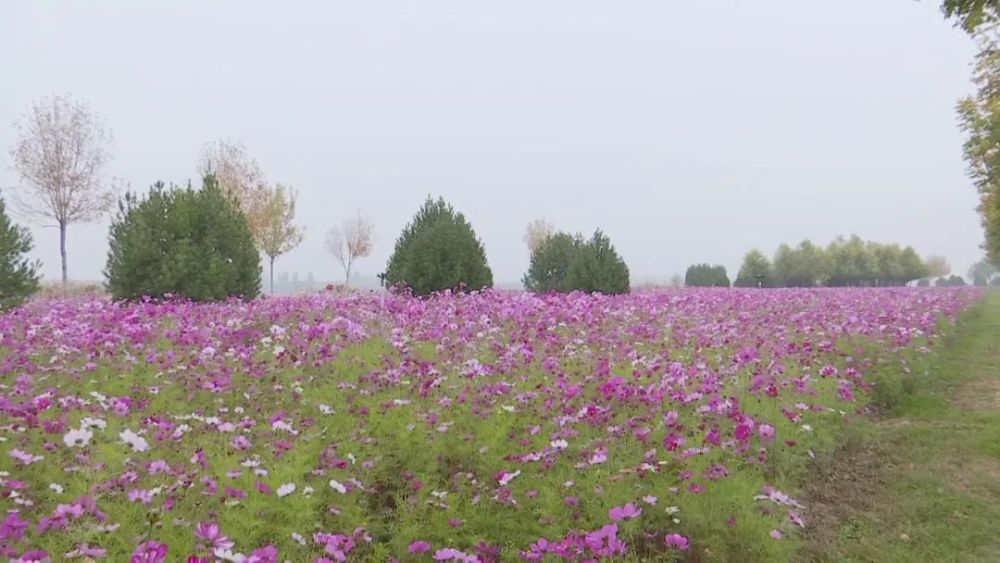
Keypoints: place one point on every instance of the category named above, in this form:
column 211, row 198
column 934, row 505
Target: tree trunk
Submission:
column 347, row 278
column 272, row 274
column 62, row 250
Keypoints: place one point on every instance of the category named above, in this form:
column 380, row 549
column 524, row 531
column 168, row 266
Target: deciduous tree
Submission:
column 61, row 148
column 354, row 238
column 536, row 233
column 240, row 177
column 278, row 233
column 755, row 271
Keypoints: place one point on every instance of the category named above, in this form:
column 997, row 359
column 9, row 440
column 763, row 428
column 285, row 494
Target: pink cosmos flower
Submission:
column 158, row 466
column 140, row 495
column 266, row 554
column 84, row 550
column 419, row 546
column 150, row 552
column 677, row 541
column 33, row 556
column 13, row 527
column 627, row 512
column 766, row 432
column 24, row 457
column 241, row 442
column 211, row 532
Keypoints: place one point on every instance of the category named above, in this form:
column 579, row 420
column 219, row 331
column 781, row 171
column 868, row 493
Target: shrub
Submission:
column 550, row 263
column 183, row 242
column 953, row 281
column 597, row 267
column 438, row 250
column 18, row 276
column 704, row 275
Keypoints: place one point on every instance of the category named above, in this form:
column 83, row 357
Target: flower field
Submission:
column 486, row 427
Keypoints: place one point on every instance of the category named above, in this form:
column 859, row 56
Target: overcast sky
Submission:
column 688, row 131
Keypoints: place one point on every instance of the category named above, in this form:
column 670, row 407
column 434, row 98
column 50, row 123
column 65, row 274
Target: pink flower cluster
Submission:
column 435, row 429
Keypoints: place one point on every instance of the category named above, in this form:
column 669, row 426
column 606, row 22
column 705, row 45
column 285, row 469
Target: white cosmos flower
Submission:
column 338, row 486
column 138, row 443
column 78, row 438
column 228, row 555
column 56, row 487
column 326, row 409
column 89, row 422
column 286, row 489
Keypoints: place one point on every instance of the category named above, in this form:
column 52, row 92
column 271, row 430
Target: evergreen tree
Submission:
column 550, row 263
column 705, row 275
column 182, row 242
column 438, row 250
column 598, row 268
column 18, row 276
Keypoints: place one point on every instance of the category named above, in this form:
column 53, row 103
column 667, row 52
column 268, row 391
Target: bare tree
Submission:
column 536, row 233
column 937, row 266
column 278, row 233
column 239, row 175
column 352, row 239
column 60, row 152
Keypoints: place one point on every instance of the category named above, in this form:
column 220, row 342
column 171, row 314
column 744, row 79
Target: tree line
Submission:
column 845, row 262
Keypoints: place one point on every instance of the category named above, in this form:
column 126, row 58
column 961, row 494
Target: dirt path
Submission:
column 922, row 484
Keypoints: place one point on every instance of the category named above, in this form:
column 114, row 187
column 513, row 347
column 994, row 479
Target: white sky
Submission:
column 688, row 131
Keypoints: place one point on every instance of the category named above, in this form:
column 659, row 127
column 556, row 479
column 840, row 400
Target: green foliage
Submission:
column 953, row 281
column 755, row 271
column 705, row 275
column 804, row 266
column 972, row 15
column 550, row 263
column 597, row 268
column 183, row 242
column 844, row 262
column 982, row 272
column 438, row 250
column 565, row 263
column 979, row 118
column 913, row 492
column 18, row 277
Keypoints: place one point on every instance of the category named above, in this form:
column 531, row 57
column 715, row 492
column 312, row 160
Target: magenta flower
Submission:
column 266, row 554
column 677, row 541
column 211, row 532
column 150, row 552
column 33, row 556
column 627, row 512
column 84, row 550
column 419, row 546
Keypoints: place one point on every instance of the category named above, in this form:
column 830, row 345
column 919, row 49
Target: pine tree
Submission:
column 438, row 250
column 18, row 276
column 182, row 242
column 597, row 268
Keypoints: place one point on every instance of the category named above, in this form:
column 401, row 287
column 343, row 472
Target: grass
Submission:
column 922, row 483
